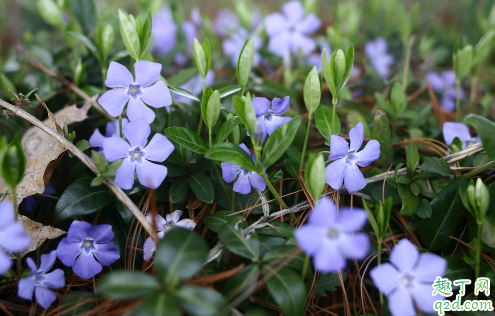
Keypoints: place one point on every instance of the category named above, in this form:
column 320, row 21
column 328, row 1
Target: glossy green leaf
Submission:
column 105, row 37
column 438, row 166
column 158, row 304
column 315, row 176
column 242, row 283
column 337, row 66
column 323, row 119
column 80, row 198
column 184, row 93
column 228, row 90
column 200, row 58
column 245, row 62
column 187, row 138
column 283, row 253
column 247, row 247
column 85, row 13
column 127, row 285
column 201, row 301
column 410, row 202
column 232, row 153
column 87, row 42
column 327, row 73
column 312, row 91
column 180, row 255
column 216, row 221
column 381, row 132
column 178, row 189
column 207, row 49
column 182, row 77
column 13, row 163
column 129, row 35
column 50, row 12
column 227, row 128
column 212, row 110
column 412, row 158
column 244, row 109
column 486, row 130
column 202, row 187
column 278, row 142
column 457, row 269
column 349, row 63
column 398, row 98
column 145, row 34
column 288, row 291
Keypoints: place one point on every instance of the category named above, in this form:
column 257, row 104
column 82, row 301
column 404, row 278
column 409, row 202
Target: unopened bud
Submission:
column 478, row 199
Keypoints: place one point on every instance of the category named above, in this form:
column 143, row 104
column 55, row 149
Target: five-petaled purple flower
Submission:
column 409, row 277
column 380, row 60
column 245, row 178
column 267, row 116
column 39, row 281
column 138, row 91
column 345, row 168
column 162, row 226
column 444, row 83
column 136, row 155
column 451, row 130
column 289, row 32
column 13, row 237
column 112, row 129
column 329, row 235
column 87, row 248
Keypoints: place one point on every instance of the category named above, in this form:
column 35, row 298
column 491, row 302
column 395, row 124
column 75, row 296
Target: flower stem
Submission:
column 305, row 266
column 120, row 126
column 379, row 261
column 222, row 183
column 13, row 196
column 169, row 121
column 232, row 202
column 273, row 190
column 478, row 252
column 480, row 169
column 310, row 118
column 457, row 100
column 200, row 124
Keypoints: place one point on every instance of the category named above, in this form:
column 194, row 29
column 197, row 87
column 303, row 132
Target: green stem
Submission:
column 242, row 91
column 379, row 261
column 200, row 124
column 222, row 183
column 478, row 253
column 408, row 44
column 334, row 110
column 120, row 126
column 305, row 266
column 13, row 195
column 457, row 100
column 232, row 202
column 210, row 137
column 169, row 121
column 480, row 169
column 303, row 154
column 273, row 190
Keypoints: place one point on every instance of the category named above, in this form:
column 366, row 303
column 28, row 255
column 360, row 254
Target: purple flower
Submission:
column 289, row 32
column 13, row 237
column 452, row 130
column 137, row 91
column 112, row 129
column 267, row 115
column 409, row 277
column 39, row 281
column 345, row 168
column 162, row 226
column 315, row 58
column 195, row 86
column 245, row 178
column 225, row 22
column 329, row 236
column 30, row 202
column 164, row 31
column 445, row 84
column 233, row 44
column 136, row 155
column 87, row 248
column 380, row 60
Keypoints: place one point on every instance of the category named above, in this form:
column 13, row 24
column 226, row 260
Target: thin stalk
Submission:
column 457, row 100
column 379, row 261
column 13, row 194
column 210, row 137
column 232, row 202
column 334, row 110
column 242, row 91
column 273, row 190
column 478, row 253
column 222, row 183
column 305, row 266
column 169, row 119
column 200, row 124
column 480, row 169
column 120, row 126
column 310, row 118
column 408, row 44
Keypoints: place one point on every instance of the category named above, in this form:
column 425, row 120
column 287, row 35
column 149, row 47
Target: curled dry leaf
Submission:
column 38, row 232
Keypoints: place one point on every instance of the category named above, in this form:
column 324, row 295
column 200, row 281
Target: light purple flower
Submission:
column 227, row 22
column 380, row 60
column 451, row 130
column 195, row 86
column 409, row 277
column 190, row 33
column 112, row 129
column 444, row 84
column 136, row 155
column 39, row 281
column 329, row 235
column 233, row 44
column 345, row 168
column 13, row 237
column 315, row 58
column 289, row 32
column 138, row 91
column 267, row 115
column 87, row 248
column 245, row 178
column 164, row 31
column 162, row 226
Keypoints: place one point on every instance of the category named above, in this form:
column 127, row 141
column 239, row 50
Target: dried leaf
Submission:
column 39, row 233
column 50, row 115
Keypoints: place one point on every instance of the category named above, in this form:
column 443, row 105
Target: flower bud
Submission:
column 478, row 199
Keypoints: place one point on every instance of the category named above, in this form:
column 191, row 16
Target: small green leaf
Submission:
column 381, row 132
column 207, row 49
column 187, row 138
column 105, row 37
column 6, row 84
column 410, row 202
column 227, row 128
column 337, row 66
column 247, row 247
column 278, row 142
column 229, row 90
column 232, row 153
column 438, row 166
column 412, row 157
column 85, row 13
column 82, row 145
column 288, row 291
column 145, row 34
column 129, row 35
column 349, row 63
column 245, row 62
column 158, row 304
column 200, row 57
column 13, row 163
column 486, row 130
column 398, row 98
column 50, row 12
column 327, row 283
column 424, row 210
column 124, row 285
column 462, row 61
column 178, row 189
column 312, row 91
column 92, row 48
column 184, row 93
column 182, row 77
column 202, row 187
column 215, row 221
column 244, row 109
column 328, row 74
column 315, row 176
column 212, row 110
column 201, row 301
column 323, row 119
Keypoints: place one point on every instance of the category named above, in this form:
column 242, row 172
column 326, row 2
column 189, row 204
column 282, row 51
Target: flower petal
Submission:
column 404, row 256
column 55, row 280
column 7, row 214
column 244, row 147
column 118, row 76
column 5, row 262
column 452, row 130
column 115, row 148
column 435, row 81
column 299, row 41
column 151, row 174
column 257, row 181
column 32, row 266
column 147, row 72
column 308, row 25
column 328, row 258
column 159, row 220
column 101, row 233
column 356, row 135
column 149, row 248
column 157, row 95
column 370, row 153
column 47, row 261
column 385, row 277
column 279, row 106
column 309, row 237
column 106, row 253
column 44, row 296
column 324, row 213
column 423, row 298
column 230, row 171
column 354, row 246
column 279, row 44
column 338, row 147
column 78, row 231
column 67, row 252
column 175, row 216
column 429, row 267
column 186, row 223
column 124, row 176
column 14, row 238
column 86, row 266
column 260, row 105
column 335, row 173
column 242, row 184
column 26, row 288
column 275, row 23
column 400, row 302
column 275, row 122
column 137, row 132
column 96, row 139
column 352, row 219
column 138, row 110
column 354, row 179
column 294, row 11
column 159, row 148
column 113, row 101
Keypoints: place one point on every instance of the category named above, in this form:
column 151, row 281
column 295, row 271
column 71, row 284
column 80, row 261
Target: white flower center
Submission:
column 87, row 243
column 136, row 154
column 133, row 89
column 333, row 233
column 406, row 281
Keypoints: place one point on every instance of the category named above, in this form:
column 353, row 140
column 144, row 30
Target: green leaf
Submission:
column 6, row 84
column 178, row 189
column 323, row 119
column 315, row 176
column 349, row 63
column 215, row 221
column 86, row 41
column 438, row 166
column 278, row 142
column 182, row 77
column 232, row 153
column 398, row 98
column 447, row 214
column 212, row 110
column 327, row 283
column 180, row 255
column 105, row 37
column 283, row 253
column 83, row 144
column 80, row 198
column 488, row 233
column 158, row 304
column 184, row 93
column 201, row 301
column 337, row 66
column 13, row 163
column 50, row 12
column 124, row 285
column 241, row 283
column 462, row 61
column 201, row 186
column 244, row 109
column 229, row 90
column 145, row 34
column 312, row 91
column 187, row 138
column 245, row 62
column 288, row 291
column 207, row 49
column 424, row 210
column 129, row 35
column 233, row 240
column 226, row 129
column 200, row 57
column 381, row 132
column 410, row 202
column 412, row 157
column 85, row 13
column 486, row 130
column 327, row 73
column 457, row 269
